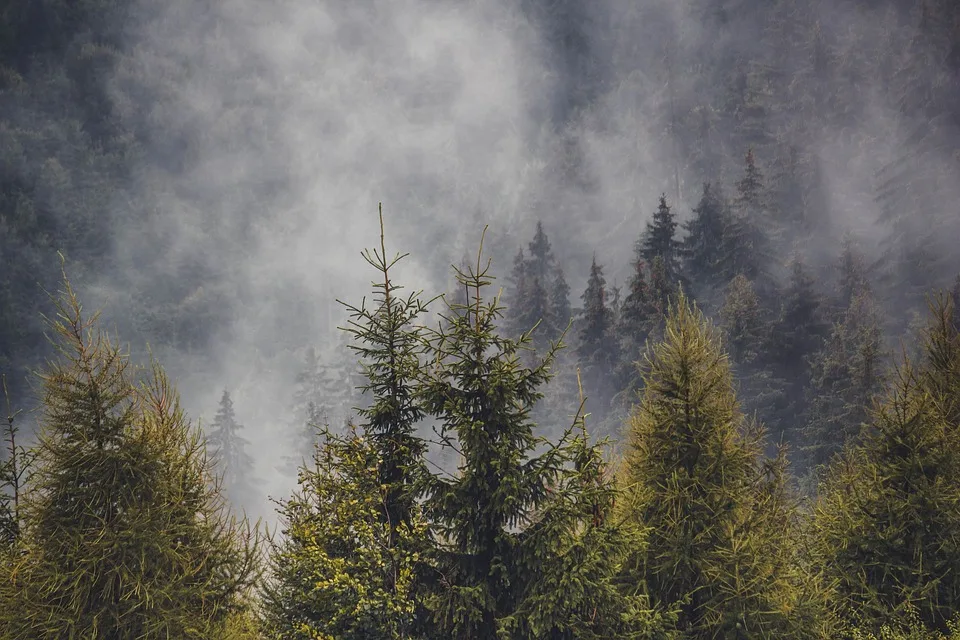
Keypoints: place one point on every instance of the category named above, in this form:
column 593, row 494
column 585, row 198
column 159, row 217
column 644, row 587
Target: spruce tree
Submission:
column 228, row 449
column 516, row 295
column 719, row 547
column 659, row 239
column 126, row 535
column 523, row 545
column 388, row 341
column 635, row 323
column 348, row 566
column 704, row 241
column 337, row 553
column 597, row 349
column 541, row 262
column 15, row 466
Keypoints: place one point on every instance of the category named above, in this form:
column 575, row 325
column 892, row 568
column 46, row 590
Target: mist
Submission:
column 271, row 131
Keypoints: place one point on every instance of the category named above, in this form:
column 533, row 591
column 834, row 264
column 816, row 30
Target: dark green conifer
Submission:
column 702, row 246
column 597, row 349
column 560, row 301
column 523, row 546
column 659, row 239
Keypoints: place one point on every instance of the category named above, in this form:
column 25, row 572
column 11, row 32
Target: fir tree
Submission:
column 940, row 344
column 127, row 536
column 15, row 469
column 704, row 241
column 719, row 548
column 229, row 451
column 635, row 323
column 388, row 341
column 541, row 262
column 597, row 349
column 659, row 240
column 516, row 296
column 523, row 548
column 852, row 277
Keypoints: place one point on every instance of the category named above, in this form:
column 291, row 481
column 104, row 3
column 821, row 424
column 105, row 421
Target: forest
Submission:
column 656, row 334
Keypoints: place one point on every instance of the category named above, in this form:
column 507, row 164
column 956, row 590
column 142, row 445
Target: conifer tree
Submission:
column 523, row 548
column 389, row 343
column 852, row 279
column 886, row 525
column 126, row 536
column 659, row 239
column 940, row 344
column 704, row 241
column 348, row 565
column 516, row 295
column 846, row 375
column 560, row 301
column 719, row 547
column 597, row 350
column 541, row 262
column 228, row 450
column 635, row 323
column 797, row 334
column 338, row 552
column 15, row 466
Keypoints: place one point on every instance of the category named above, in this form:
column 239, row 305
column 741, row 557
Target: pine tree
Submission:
column 597, row 349
column 15, row 469
column 660, row 240
column 516, row 296
column 126, row 535
column 719, row 548
column 797, row 334
column 523, row 548
column 228, row 450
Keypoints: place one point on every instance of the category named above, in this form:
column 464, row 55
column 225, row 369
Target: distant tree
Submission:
column 846, row 376
column 852, row 278
column 15, row 467
column 659, row 239
column 560, row 300
column 797, row 333
column 745, row 326
column 637, row 317
column 127, row 536
column 720, row 545
column 597, row 349
column 702, row 246
column 516, row 296
column 229, row 452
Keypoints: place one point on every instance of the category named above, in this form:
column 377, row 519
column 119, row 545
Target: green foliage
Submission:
column 520, row 544
column 721, row 523
column 887, row 521
column 123, row 533
column 341, row 570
